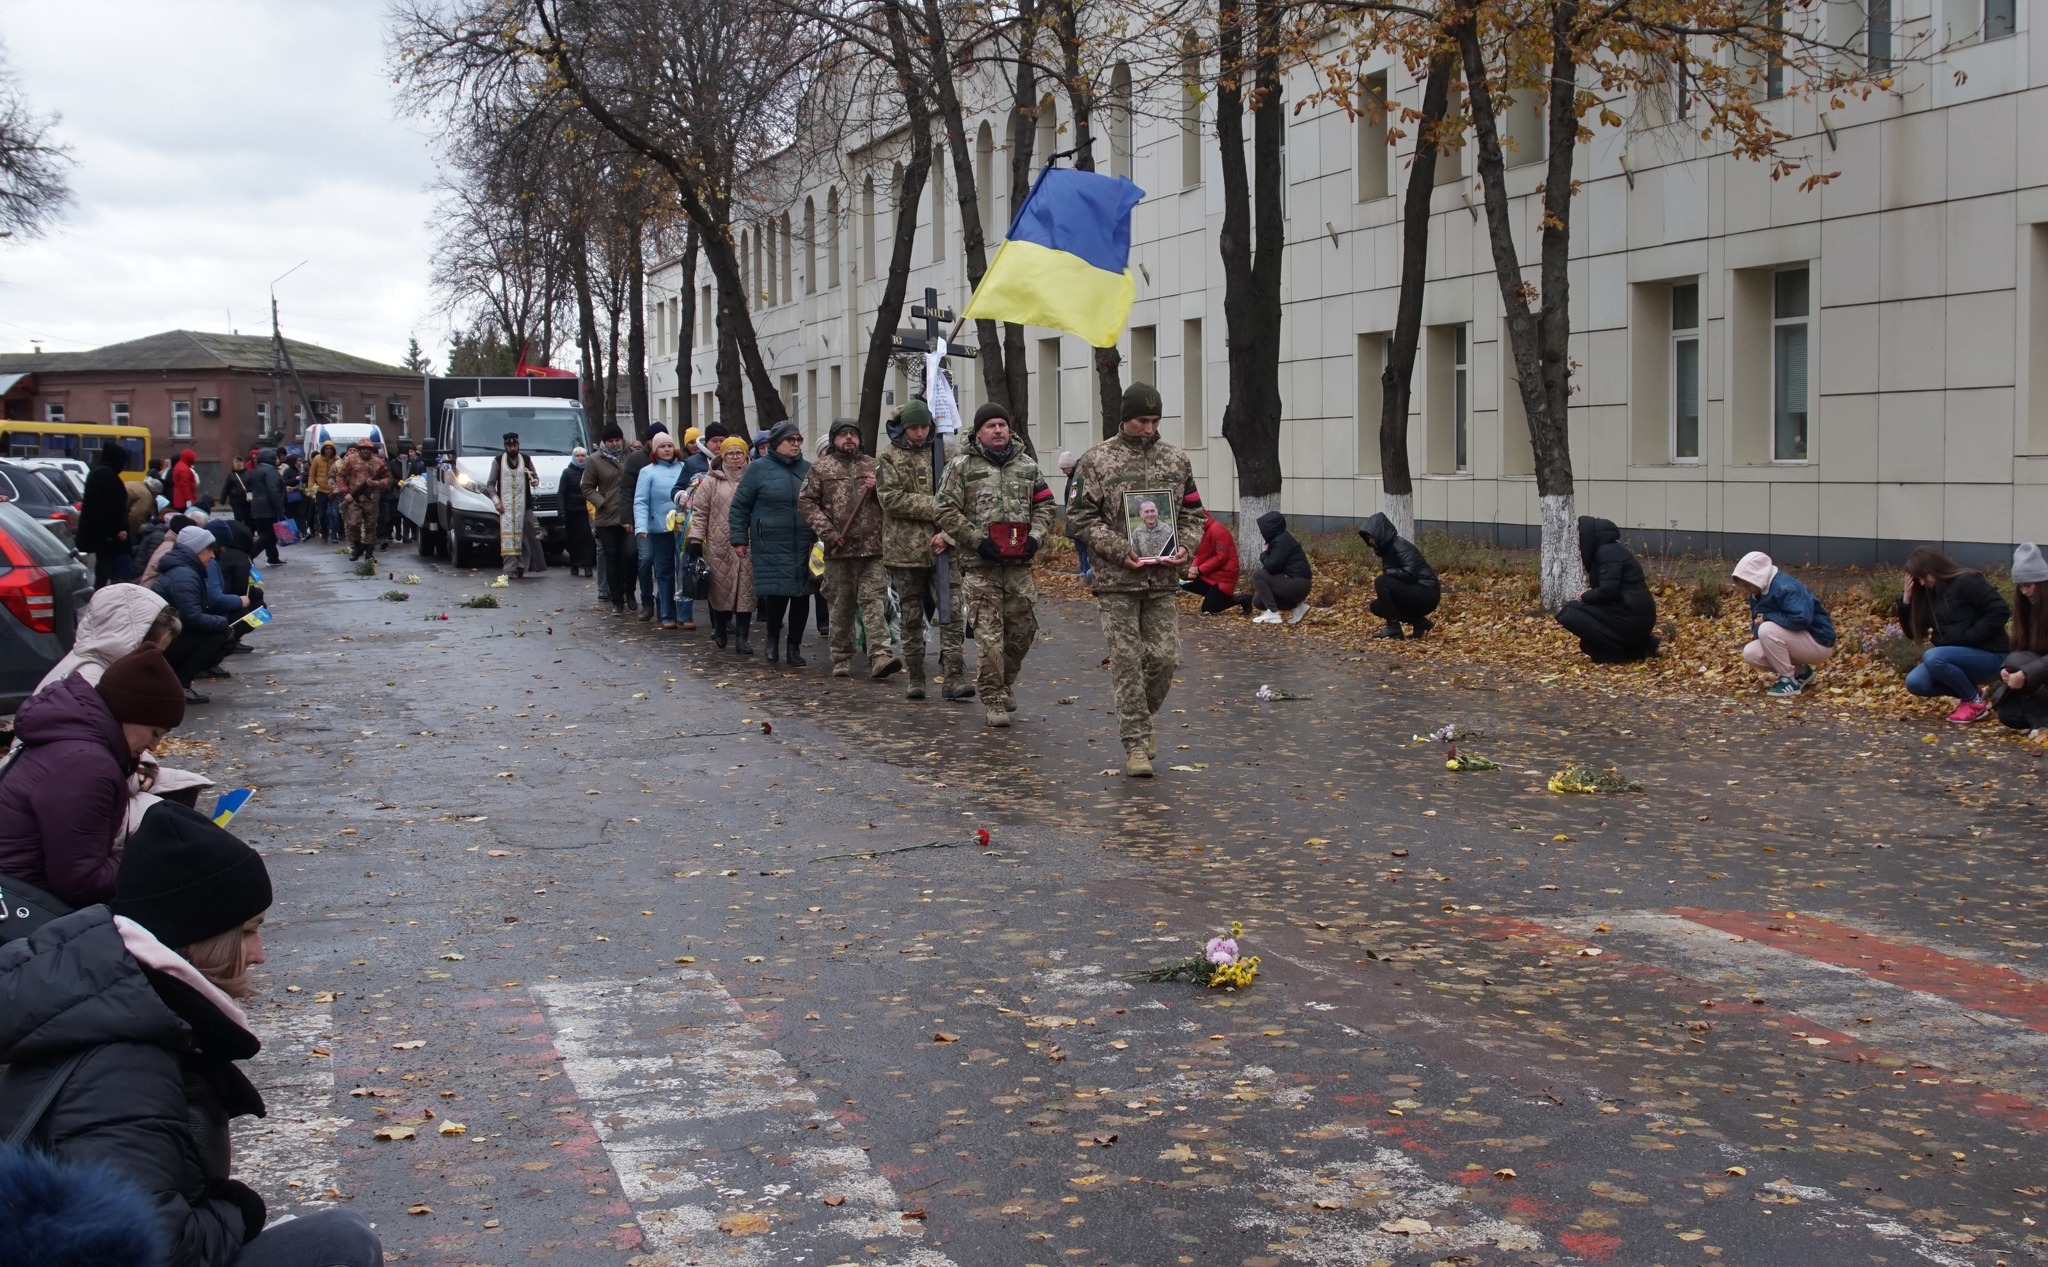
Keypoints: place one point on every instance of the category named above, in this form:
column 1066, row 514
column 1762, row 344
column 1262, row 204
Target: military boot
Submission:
column 914, row 670
column 1136, row 764
column 884, row 664
column 995, row 715
column 958, row 686
column 842, row 668
column 1151, row 745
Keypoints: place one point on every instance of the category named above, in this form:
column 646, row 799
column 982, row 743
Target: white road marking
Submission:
column 291, row 1156
column 679, row 1085
column 1996, row 1050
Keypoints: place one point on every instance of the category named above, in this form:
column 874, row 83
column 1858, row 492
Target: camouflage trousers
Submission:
column 1143, row 633
column 1002, row 605
column 911, row 585
column 858, row 588
column 359, row 520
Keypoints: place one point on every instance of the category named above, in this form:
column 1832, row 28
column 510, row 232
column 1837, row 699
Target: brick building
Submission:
column 212, row 393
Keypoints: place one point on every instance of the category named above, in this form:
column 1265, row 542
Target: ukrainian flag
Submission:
column 1066, row 263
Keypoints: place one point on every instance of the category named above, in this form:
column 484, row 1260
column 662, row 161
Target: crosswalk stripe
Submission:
column 1921, row 1026
column 676, row 1081
column 292, row 1156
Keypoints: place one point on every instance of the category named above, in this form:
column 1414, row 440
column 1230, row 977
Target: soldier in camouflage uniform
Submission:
column 359, row 481
column 1139, row 618
column 838, row 502
column 907, row 487
column 992, row 492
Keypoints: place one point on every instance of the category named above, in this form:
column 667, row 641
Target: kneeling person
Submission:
column 1406, row 591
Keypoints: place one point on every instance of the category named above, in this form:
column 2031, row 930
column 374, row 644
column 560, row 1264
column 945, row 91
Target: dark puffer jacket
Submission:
column 1399, row 558
column 65, row 794
column 1614, row 579
column 1968, row 612
column 156, row 1089
column 1283, row 555
column 181, row 582
column 764, row 517
column 266, row 489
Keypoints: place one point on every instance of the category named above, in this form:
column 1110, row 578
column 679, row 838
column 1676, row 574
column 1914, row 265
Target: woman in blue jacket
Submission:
column 1791, row 631
column 766, row 528
column 651, row 504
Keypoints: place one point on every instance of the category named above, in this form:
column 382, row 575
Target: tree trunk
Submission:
column 1540, row 340
column 611, row 380
column 1251, row 248
column 636, row 331
column 1397, row 380
column 1013, row 367
column 882, row 335
column 586, row 324
column 686, row 346
column 967, row 193
column 732, row 395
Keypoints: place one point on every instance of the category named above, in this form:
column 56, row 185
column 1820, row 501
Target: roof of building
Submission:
column 192, row 350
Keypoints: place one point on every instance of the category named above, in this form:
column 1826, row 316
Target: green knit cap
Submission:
column 1141, row 400
column 915, row 413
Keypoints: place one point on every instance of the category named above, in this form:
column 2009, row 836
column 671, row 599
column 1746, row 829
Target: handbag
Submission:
column 287, row 532
column 695, row 582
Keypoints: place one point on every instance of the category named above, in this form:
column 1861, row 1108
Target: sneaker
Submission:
column 1299, row 614
column 1969, row 711
column 689, row 624
column 1266, row 618
column 1804, row 675
column 1787, row 687
column 1137, row 765
column 995, row 715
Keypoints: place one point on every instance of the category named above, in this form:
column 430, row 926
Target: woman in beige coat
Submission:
column 732, row 575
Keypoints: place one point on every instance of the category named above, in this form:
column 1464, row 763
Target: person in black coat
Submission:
column 1406, row 591
column 1615, row 616
column 266, row 504
column 137, row 1024
column 103, row 515
column 576, row 516
column 1280, row 583
column 1962, row 619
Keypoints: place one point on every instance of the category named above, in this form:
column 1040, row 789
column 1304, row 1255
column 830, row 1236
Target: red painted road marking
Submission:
column 1970, row 982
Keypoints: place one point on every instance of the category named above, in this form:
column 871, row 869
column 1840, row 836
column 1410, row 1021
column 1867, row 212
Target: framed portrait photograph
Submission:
column 1149, row 523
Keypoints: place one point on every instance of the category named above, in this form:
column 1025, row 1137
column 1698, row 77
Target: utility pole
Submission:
column 281, row 359
column 927, row 342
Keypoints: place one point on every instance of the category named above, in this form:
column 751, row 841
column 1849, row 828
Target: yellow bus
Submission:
column 78, row 441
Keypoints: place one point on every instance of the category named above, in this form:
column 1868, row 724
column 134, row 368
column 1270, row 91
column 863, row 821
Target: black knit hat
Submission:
column 186, row 880
column 1141, row 400
column 842, row 424
column 988, row 412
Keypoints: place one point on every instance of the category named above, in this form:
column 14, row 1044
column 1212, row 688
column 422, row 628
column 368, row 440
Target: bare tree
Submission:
column 33, row 187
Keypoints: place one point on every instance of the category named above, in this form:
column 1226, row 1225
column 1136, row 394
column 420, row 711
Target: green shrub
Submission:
column 1709, row 591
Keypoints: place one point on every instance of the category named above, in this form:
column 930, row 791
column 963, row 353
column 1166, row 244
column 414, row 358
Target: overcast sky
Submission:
column 218, row 143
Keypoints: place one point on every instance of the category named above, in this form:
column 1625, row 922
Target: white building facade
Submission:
column 1834, row 376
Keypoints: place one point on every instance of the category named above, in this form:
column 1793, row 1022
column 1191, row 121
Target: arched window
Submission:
column 938, row 183
column 810, row 246
column 831, row 238
column 788, row 291
column 1048, row 131
column 1120, row 138
column 985, row 183
column 867, row 228
column 768, row 265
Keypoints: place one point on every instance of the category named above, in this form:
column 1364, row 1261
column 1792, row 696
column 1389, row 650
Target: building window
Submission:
column 1877, row 37
column 1446, row 401
column 1372, row 139
column 831, row 238
column 53, row 411
column 810, row 246
column 1194, row 414
column 1774, row 70
column 1685, row 372
column 181, row 420
column 1789, row 334
column 1049, row 395
column 117, row 413
column 1145, row 354
column 710, row 311
column 262, row 415
column 1525, row 129
column 1998, row 19
column 1120, row 137
column 1370, row 362
column 370, row 412
column 867, row 228
column 939, row 233
column 1461, row 379
column 1191, row 117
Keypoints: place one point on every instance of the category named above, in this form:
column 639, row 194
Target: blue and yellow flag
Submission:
column 1066, row 263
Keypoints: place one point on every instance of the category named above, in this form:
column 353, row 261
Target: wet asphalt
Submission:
column 471, row 820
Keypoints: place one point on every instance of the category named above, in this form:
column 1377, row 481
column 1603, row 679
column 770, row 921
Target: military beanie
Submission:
column 988, row 413
column 915, row 413
column 1141, row 400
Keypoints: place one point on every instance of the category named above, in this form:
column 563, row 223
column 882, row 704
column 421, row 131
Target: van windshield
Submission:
column 542, row 432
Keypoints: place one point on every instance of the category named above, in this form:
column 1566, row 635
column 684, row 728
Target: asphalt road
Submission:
column 558, row 908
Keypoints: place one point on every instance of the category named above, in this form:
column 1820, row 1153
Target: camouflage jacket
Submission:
column 354, row 476
column 1099, row 518
column 978, row 490
column 908, row 491
column 834, row 499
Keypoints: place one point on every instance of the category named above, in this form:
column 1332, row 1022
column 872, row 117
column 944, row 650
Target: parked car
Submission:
column 67, row 475
column 44, row 588
column 33, row 491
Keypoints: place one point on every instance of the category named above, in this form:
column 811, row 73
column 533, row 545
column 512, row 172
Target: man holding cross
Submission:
column 838, row 502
